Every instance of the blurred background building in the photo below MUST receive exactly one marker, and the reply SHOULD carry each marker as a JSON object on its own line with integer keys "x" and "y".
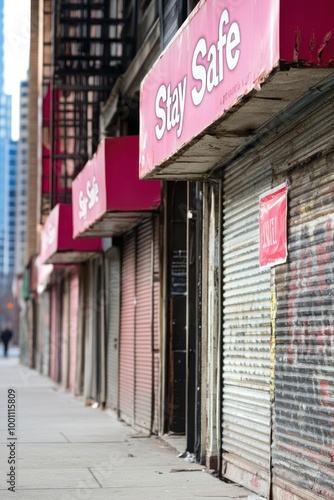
{"x": 8, "y": 195}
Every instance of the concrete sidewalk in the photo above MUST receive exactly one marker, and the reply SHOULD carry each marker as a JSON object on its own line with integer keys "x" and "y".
{"x": 67, "y": 451}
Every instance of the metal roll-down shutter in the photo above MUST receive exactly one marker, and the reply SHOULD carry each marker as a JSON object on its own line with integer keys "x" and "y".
{"x": 74, "y": 324}
{"x": 127, "y": 338}
{"x": 144, "y": 326}
{"x": 113, "y": 322}
{"x": 246, "y": 417}
{"x": 303, "y": 451}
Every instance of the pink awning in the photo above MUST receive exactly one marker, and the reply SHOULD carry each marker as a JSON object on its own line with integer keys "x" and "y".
{"x": 107, "y": 196}
{"x": 57, "y": 243}
{"x": 193, "y": 110}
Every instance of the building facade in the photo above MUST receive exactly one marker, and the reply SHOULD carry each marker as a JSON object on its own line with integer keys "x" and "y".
{"x": 21, "y": 190}
{"x": 11, "y": 202}
{"x": 8, "y": 174}
{"x": 195, "y": 301}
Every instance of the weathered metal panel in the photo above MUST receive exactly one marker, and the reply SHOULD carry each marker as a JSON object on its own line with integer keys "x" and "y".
{"x": 113, "y": 318}
{"x": 74, "y": 326}
{"x": 156, "y": 324}
{"x": 54, "y": 346}
{"x": 127, "y": 331}
{"x": 82, "y": 323}
{"x": 144, "y": 326}
{"x": 46, "y": 332}
{"x": 90, "y": 377}
{"x": 65, "y": 334}
{"x": 246, "y": 329}
{"x": 303, "y": 452}
{"x": 43, "y": 330}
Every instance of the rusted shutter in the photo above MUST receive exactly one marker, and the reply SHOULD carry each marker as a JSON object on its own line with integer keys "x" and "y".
{"x": 74, "y": 319}
{"x": 127, "y": 338}
{"x": 303, "y": 452}
{"x": 65, "y": 333}
{"x": 54, "y": 335}
{"x": 246, "y": 433}
{"x": 144, "y": 326}
{"x": 113, "y": 321}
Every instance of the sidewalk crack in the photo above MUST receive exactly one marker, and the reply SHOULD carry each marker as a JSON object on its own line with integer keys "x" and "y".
{"x": 92, "y": 473}
{"x": 65, "y": 437}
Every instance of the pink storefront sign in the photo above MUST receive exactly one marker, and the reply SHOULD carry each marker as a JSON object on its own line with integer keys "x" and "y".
{"x": 57, "y": 243}
{"x": 224, "y": 50}
{"x": 108, "y": 197}
{"x": 273, "y": 249}
{"x": 89, "y": 197}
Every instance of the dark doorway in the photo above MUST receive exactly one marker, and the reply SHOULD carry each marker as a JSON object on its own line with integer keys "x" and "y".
{"x": 176, "y": 315}
{"x": 183, "y": 282}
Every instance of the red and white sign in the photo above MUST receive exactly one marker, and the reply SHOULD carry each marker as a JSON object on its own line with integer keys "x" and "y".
{"x": 222, "y": 52}
{"x": 273, "y": 248}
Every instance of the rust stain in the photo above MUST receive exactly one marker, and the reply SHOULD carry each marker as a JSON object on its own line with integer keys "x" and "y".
{"x": 324, "y": 44}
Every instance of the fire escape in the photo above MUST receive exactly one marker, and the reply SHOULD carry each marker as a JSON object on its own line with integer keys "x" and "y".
{"x": 91, "y": 43}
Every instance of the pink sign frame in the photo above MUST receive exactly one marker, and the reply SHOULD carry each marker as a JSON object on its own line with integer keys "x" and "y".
{"x": 224, "y": 50}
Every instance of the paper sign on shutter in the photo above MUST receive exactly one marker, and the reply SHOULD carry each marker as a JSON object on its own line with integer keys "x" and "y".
{"x": 273, "y": 227}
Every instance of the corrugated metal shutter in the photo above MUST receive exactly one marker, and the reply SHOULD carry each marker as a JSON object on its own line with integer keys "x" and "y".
{"x": 127, "y": 358}
{"x": 46, "y": 331}
{"x": 113, "y": 318}
{"x": 74, "y": 322}
{"x": 156, "y": 317}
{"x": 144, "y": 333}
{"x": 246, "y": 433}
{"x": 38, "y": 349}
{"x": 303, "y": 452}
{"x": 82, "y": 325}
{"x": 65, "y": 333}
{"x": 54, "y": 335}
{"x": 100, "y": 307}
{"x": 91, "y": 344}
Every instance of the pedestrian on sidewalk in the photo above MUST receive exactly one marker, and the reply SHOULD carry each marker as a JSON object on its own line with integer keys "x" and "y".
{"x": 6, "y": 335}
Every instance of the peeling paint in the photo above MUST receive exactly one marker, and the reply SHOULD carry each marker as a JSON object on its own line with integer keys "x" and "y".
{"x": 296, "y": 46}
{"x": 313, "y": 45}
{"x": 324, "y": 44}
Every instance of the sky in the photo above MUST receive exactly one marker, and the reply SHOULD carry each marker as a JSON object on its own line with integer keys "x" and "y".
{"x": 16, "y": 52}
